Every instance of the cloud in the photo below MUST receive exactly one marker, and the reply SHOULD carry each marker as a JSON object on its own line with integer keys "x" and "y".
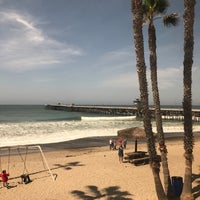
{"x": 125, "y": 80}
{"x": 116, "y": 69}
{"x": 25, "y": 46}
{"x": 170, "y": 78}
{"x": 115, "y": 61}
{"x": 122, "y": 63}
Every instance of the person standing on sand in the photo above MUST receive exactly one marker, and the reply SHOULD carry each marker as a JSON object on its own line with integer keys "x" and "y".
{"x": 120, "y": 141}
{"x": 124, "y": 142}
{"x": 4, "y": 177}
{"x": 114, "y": 145}
{"x": 111, "y": 143}
{"x": 121, "y": 153}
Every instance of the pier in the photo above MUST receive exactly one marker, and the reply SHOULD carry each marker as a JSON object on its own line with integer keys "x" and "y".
{"x": 167, "y": 113}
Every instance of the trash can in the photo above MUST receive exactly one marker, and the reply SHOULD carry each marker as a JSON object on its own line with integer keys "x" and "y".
{"x": 177, "y": 185}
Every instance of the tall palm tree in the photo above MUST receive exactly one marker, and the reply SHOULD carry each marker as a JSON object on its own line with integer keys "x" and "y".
{"x": 154, "y": 9}
{"x": 137, "y": 11}
{"x": 189, "y": 6}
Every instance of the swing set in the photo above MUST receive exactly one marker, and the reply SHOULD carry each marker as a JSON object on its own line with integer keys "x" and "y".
{"x": 22, "y": 151}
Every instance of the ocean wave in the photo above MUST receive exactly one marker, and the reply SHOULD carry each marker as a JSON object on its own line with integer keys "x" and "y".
{"x": 58, "y": 131}
{"x": 76, "y": 118}
{"x": 120, "y": 118}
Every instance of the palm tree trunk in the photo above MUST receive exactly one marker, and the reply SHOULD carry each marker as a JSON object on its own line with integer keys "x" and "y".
{"x": 189, "y": 6}
{"x": 141, "y": 69}
{"x": 158, "y": 115}
{"x": 187, "y": 186}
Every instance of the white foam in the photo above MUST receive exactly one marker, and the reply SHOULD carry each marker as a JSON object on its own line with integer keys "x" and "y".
{"x": 58, "y": 131}
{"x": 108, "y": 118}
{"x": 56, "y": 136}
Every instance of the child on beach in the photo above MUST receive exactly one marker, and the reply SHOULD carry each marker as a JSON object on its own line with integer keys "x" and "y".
{"x": 4, "y": 177}
{"x": 121, "y": 153}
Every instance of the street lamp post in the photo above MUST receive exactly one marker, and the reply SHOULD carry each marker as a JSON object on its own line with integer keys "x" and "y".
{"x": 137, "y": 102}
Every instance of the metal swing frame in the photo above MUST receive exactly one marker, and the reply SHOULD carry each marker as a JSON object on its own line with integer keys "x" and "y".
{"x": 24, "y": 159}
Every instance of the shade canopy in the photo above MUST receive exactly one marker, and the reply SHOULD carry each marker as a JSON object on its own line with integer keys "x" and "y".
{"x": 132, "y": 133}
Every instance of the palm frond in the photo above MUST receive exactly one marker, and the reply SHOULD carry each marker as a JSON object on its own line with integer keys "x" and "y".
{"x": 155, "y": 6}
{"x": 161, "y": 6}
{"x": 171, "y": 19}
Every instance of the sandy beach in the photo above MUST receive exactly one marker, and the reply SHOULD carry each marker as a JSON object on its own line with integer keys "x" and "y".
{"x": 87, "y": 169}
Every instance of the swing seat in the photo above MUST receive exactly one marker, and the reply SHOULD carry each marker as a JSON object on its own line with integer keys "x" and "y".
{"x": 25, "y": 178}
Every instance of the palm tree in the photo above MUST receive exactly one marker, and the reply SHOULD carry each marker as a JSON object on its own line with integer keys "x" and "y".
{"x": 154, "y": 9}
{"x": 137, "y": 11}
{"x": 189, "y": 6}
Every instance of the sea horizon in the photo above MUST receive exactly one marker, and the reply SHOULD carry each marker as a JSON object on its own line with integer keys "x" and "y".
{"x": 194, "y": 106}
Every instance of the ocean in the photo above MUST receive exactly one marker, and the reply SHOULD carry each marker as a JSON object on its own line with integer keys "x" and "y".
{"x": 33, "y": 124}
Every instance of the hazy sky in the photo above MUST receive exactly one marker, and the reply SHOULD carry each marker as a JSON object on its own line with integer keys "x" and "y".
{"x": 82, "y": 52}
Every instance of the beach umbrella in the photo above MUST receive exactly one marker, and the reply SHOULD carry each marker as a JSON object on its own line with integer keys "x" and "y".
{"x": 133, "y": 133}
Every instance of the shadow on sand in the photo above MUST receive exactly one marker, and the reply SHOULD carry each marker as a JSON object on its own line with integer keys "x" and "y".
{"x": 68, "y": 166}
{"x": 196, "y": 189}
{"x": 111, "y": 193}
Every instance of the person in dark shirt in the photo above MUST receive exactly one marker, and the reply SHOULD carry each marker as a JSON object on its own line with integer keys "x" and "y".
{"x": 121, "y": 153}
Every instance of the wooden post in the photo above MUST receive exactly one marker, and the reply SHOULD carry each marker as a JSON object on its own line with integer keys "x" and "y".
{"x": 135, "y": 145}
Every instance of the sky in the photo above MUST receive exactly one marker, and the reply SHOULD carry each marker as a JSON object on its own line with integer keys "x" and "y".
{"x": 82, "y": 52}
